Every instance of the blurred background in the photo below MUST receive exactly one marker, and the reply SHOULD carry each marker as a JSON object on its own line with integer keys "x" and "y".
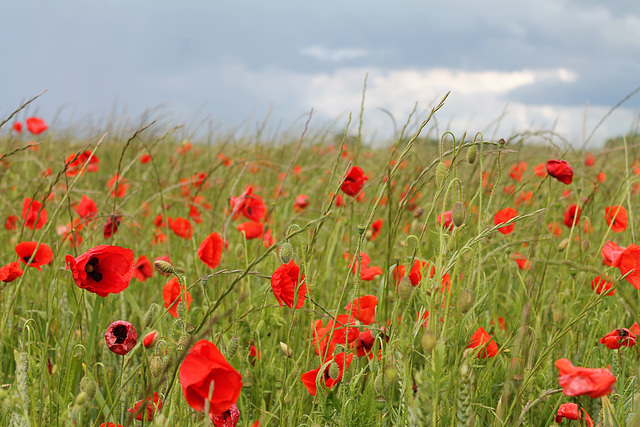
{"x": 510, "y": 66}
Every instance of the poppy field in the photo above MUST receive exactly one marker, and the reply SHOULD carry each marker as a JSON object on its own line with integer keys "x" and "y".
{"x": 308, "y": 278}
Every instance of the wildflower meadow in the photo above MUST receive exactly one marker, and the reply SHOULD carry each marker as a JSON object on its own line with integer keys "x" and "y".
{"x": 152, "y": 277}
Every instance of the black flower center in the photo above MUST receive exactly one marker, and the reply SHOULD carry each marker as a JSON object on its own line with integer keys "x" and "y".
{"x": 26, "y": 259}
{"x": 120, "y": 332}
{"x": 92, "y": 269}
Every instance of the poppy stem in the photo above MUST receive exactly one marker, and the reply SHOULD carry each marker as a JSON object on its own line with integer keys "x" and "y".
{"x": 98, "y": 302}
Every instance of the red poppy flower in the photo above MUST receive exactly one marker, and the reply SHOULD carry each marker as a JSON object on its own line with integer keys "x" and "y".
{"x": 589, "y": 159}
{"x": 152, "y": 407}
{"x": 11, "y": 222}
{"x": 353, "y": 181}
{"x": 571, "y": 215}
{"x": 554, "y": 228}
{"x": 325, "y": 342}
{"x": 205, "y": 375}
{"x": 149, "y": 339}
{"x": 617, "y": 338}
{"x": 121, "y": 337}
{"x": 375, "y": 228}
{"x": 522, "y": 261}
{"x": 27, "y": 252}
{"x": 284, "y": 283}
{"x": 267, "y": 239}
{"x": 363, "y": 308}
{"x": 33, "y": 213}
{"x": 118, "y": 185}
{"x": 540, "y": 170}
{"x": 611, "y": 254}
{"x": 301, "y": 203}
{"x": 10, "y": 272}
{"x": 517, "y": 170}
{"x": 601, "y": 177}
{"x": 577, "y": 381}
{"x": 145, "y": 158}
{"x": 17, "y": 127}
{"x": 616, "y": 217}
{"x": 110, "y": 425}
{"x": 366, "y": 273}
{"x": 483, "y": 341}
{"x": 524, "y": 198}
{"x": 503, "y": 216}
{"x": 210, "y": 250}
{"x": 570, "y": 412}
{"x": 194, "y": 214}
{"x": 103, "y": 270}
{"x": 560, "y": 170}
{"x": 144, "y": 269}
{"x": 181, "y": 226}
{"x": 75, "y": 162}
{"x": 629, "y": 264}
{"x": 309, "y": 378}
{"x": 601, "y": 286}
{"x": 228, "y": 418}
{"x": 251, "y": 229}
{"x": 36, "y": 125}
{"x": 414, "y": 276}
{"x": 172, "y": 296}
{"x": 86, "y": 208}
{"x": 111, "y": 226}
{"x": 248, "y": 204}
{"x": 158, "y": 221}
{"x": 364, "y": 344}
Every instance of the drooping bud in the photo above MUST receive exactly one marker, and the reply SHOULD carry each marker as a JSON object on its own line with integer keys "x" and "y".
{"x": 286, "y": 349}
{"x": 88, "y": 386}
{"x": 377, "y": 383}
{"x": 563, "y": 245}
{"x": 466, "y": 300}
{"x": 232, "y": 347}
{"x": 472, "y": 154}
{"x": 286, "y": 252}
{"x": 441, "y": 172}
{"x": 81, "y": 399}
{"x": 405, "y": 288}
{"x": 458, "y": 214}
{"x": 150, "y": 315}
{"x": 239, "y": 251}
{"x": 428, "y": 341}
{"x": 391, "y": 375}
{"x": 182, "y": 342}
{"x": 156, "y": 366}
{"x": 163, "y": 266}
{"x": 586, "y": 245}
{"x": 418, "y": 213}
{"x": 334, "y": 371}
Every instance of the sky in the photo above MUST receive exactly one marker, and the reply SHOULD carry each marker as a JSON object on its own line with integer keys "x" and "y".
{"x": 511, "y": 66}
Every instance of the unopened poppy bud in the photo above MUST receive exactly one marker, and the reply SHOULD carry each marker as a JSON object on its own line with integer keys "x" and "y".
{"x": 563, "y": 245}
{"x": 586, "y": 245}
{"x": 472, "y": 154}
{"x": 458, "y": 214}
{"x": 286, "y": 349}
{"x": 286, "y": 252}
{"x": 88, "y": 386}
{"x": 181, "y": 309}
{"x": 369, "y": 234}
{"x": 381, "y": 402}
{"x": 156, "y": 366}
{"x": 150, "y": 315}
{"x": 239, "y": 251}
{"x": 334, "y": 371}
{"x": 441, "y": 172}
{"x": 163, "y": 266}
{"x": 182, "y": 342}
{"x": 377, "y": 384}
{"x": 232, "y": 347}
{"x": 418, "y": 213}
{"x": 391, "y": 375}
{"x": 428, "y": 341}
{"x": 405, "y": 288}
{"x": 81, "y": 399}
{"x": 466, "y": 300}
{"x": 150, "y": 339}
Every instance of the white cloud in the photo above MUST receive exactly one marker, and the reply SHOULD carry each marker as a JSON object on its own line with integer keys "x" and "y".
{"x": 333, "y": 55}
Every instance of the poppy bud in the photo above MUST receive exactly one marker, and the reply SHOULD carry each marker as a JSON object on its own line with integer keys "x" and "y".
{"x": 334, "y": 371}
{"x": 458, "y": 214}
{"x": 156, "y": 366}
{"x": 428, "y": 341}
{"x": 88, "y": 386}
{"x": 182, "y": 342}
{"x": 377, "y": 384}
{"x": 391, "y": 375}
{"x": 150, "y": 315}
{"x": 81, "y": 399}
{"x": 441, "y": 172}
{"x": 381, "y": 402}
{"x": 163, "y": 266}
{"x": 286, "y": 252}
{"x": 286, "y": 349}
{"x": 472, "y": 154}
{"x": 181, "y": 309}
{"x": 239, "y": 251}
{"x": 418, "y": 213}
{"x": 563, "y": 245}
{"x": 586, "y": 245}
{"x": 150, "y": 339}
{"x": 466, "y": 299}
{"x": 405, "y": 288}
{"x": 232, "y": 347}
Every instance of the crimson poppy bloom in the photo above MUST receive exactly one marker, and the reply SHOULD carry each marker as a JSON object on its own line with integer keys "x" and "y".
{"x": 205, "y": 375}
{"x": 540, "y": 170}
{"x": 554, "y": 228}
{"x": 145, "y": 158}
{"x": 616, "y": 218}
{"x": 309, "y": 378}
{"x": 560, "y": 170}
{"x": 570, "y": 412}
{"x": 36, "y": 125}
{"x": 522, "y": 261}
{"x": 210, "y": 250}
{"x": 325, "y": 341}
{"x": 486, "y": 346}
{"x": 363, "y": 308}
{"x": 366, "y": 273}
{"x": 353, "y": 181}
{"x": 172, "y": 296}
{"x": 144, "y": 269}
{"x": 110, "y": 425}
{"x": 103, "y": 269}
{"x": 228, "y": 418}
{"x": 267, "y": 239}
{"x": 33, "y": 213}
{"x": 414, "y": 276}
{"x": 17, "y": 127}
{"x": 375, "y": 228}
{"x": 617, "y": 338}
{"x": 10, "y": 272}
{"x": 194, "y": 214}
{"x": 152, "y": 406}
{"x": 251, "y": 229}
{"x": 601, "y": 285}
{"x": 27, "y": 252}
{"x": 75, "y": 162}
{"x": 524, "y": 198}
{"x": 629, "y": 264}
{"x": 250, "y": 205}
{"x": 571, "y": 215}
{"x": 118, "y": 185}
{"x": 611, "y": 254}
{"x": 86, "y": 208}
{"x": 181, "y": 226}
{"x": 284, "y": 283}
{"x": 517, "y": 170}
{"x": 301, "y": 203}
{"x": 121, "y": 337}
{"x": 111, "y": 226}
{"x": 149, "y": 339}
{"x": 589, "y": 159}
{"x": 503, "y": 216}
{"x": 576, "y": 381}
{"x": 10, "y": 223}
